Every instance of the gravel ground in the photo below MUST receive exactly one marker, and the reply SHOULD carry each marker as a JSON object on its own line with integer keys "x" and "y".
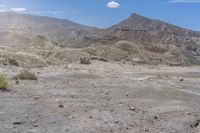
{"x": 102, "y": 98}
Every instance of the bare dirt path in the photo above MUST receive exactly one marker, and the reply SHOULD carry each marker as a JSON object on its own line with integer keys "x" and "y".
{"x": 103, "y": 98}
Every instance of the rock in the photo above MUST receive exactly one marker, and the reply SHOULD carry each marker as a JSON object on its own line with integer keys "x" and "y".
{"x": 195, "y": 124}
{"x": 85, "y": 60}
{"x": 181, "y": 79}
{"x": 35, "y": 125}
{"x": 36, "y": 97}
{"x": 72, "y": 96}
{"x": 116, "y": 121}
{"x": 61, "y": 106}
{"x": 18, "y": 123}
{"x": 156, "y": 117}
{"x": 17, "y": 81}
{"x": 188, "y": 113}
{"x": 132, "y": 108}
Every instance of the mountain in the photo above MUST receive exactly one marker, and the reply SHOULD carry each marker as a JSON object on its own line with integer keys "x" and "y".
{"x": 20, "y": 30}
{"x": 137, "y": 39}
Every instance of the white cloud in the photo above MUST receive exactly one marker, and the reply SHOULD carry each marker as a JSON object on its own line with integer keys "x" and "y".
{"x": 184, "y": 1}
{"x": 2, "y": 10}
{"x": 113, "y": 4}
{"x": 18, "y": 9}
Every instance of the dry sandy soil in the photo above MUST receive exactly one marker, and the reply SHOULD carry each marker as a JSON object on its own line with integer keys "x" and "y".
{"x": 103, "y": 97}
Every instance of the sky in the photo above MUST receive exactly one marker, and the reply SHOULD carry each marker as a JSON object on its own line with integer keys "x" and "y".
{"x": 105, "y": 13}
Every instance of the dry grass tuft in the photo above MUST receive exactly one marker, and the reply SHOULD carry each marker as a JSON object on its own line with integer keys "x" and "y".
{"x": 3, "y": 82}
{"x": 25, "y": 75}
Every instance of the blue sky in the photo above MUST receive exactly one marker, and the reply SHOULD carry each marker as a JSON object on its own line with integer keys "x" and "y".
{"x": 104, "y": 13}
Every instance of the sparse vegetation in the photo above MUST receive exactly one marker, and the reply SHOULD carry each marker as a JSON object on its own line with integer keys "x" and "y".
{"x": 3, "y": 82}
{"x": 13, "y": 62}
{"x": 85, "y": 60}
{"x": 25, "y": 75}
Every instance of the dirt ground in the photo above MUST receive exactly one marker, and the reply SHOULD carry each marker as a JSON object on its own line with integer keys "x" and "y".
{"x": 103, "y": 97}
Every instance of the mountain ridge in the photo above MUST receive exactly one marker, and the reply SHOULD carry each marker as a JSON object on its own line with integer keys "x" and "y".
{"x": 137, "y": 37}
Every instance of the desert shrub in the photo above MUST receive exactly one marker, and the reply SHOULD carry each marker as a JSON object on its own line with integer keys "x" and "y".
{"x": 85, "y": 60}
{"x": 25, "y": 75}
{"x": 3, "y": 82}
{"x": 123, "y": 45}
{"x": 13, "y": 62}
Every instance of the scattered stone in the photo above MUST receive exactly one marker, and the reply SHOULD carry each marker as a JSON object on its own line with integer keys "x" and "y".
{"x": 116, "y": 121}
{"x": 188, "y": 113}
{"x": 18, "y": 123}
{"x": 17, "y": 81}
{"x": 195, "y": 124}
{"x": 61, "y": 106}
{"x": 26, "y": 116}
{"x": 156, "y": 117}
{"x": 85, "y": 60}
{"x": 90, "y": 117}
{"x": 36, "y": 97}
{"x": 132, "y": 108}
{"x": 181, "y": 79}
{"x": 35, "y": 125}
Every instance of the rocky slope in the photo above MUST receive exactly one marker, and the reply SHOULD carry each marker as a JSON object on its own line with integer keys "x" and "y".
{"x": 137, "y": 39}
{"x": 21, "y": 30}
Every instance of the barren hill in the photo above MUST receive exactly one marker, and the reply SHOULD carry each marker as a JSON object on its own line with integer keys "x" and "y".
{"x": 22, "y": 30}
{"x": 137, "y": 39}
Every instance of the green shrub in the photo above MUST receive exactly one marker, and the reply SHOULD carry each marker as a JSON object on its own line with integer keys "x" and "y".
{"x": 3, "y": 82}
{"x": 25, "y": 75}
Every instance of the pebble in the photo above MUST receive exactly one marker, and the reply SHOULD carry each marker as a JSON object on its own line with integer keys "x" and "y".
{"x": 116, "y": 121}
{"x": 188, "y": 113}
{"x": 61, "y": 105}
{"x": 35, "y": 125}
{"x": 17, "y": 81}
{"x": 132, "y": 108}
{"x": 18, "y": 123}
{"x": 195, "y": 124}
{"x": 181, "y": 79}
{"x": 156, "y": 117}
{"x": 36, "y": 97}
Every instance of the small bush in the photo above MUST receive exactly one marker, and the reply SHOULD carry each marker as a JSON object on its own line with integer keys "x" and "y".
{"x": 13, "y": 62}
{"x": 85, "y": 60}
{"x": 3, "y": 82}
{"x": 25, "y": 75}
